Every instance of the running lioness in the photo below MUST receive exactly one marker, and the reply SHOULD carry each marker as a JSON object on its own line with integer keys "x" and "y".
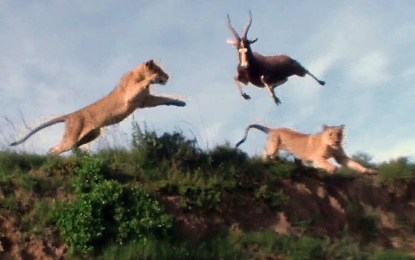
{"x": 316, "y": 148}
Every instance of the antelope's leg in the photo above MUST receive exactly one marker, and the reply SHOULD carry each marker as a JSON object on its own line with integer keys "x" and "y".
{"x": 279, "y": 83}
{"x": 271, "y": 89}
{"x": 238, "y": 84}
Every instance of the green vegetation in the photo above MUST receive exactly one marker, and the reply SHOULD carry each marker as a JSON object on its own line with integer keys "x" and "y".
{"x": 107, "y": 211}
{"x": 397, "y": 170}
{"x": 112, "y": 205}
{"x": 250, "y": 245}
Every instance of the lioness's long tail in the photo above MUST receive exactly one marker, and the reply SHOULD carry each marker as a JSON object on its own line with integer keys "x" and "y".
{"x": 256, "y": 126}
{"x": 44, "y": 125}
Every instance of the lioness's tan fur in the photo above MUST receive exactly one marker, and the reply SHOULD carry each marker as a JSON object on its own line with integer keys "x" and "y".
{"x": 133, "y": 92}
{"x": 316, "y": 148}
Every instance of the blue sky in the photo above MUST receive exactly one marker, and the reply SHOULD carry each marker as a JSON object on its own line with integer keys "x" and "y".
{"x": 58, "y": 56}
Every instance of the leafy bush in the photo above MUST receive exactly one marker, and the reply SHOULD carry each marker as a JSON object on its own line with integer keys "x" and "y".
{"x": 388, "y": 255}
{"x": 10, "y": 162}
{"x": 248, "y": 245}
{"x": 105, "y": 210}
{"x": 174, "y": 148}
{"x": 397, "y": 170}
{"x": 226, "y": 155}
{"x": 90, "y": 173}
{"x": 344, "y": 248}
{"x": 362, "y": 222}
{"x": 274, "y": 198}
{"x": 199, "y": 189}
{"x": 283, "y": 169}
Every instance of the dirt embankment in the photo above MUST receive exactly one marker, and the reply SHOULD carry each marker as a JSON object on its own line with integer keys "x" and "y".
{"x": 370, "y": 211}
{"x": 362, "y": 207}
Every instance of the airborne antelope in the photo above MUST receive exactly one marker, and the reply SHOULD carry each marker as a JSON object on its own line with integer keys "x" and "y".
{"x": 262, "y": 71}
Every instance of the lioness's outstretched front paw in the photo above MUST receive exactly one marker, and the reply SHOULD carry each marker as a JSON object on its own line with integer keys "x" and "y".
{"x": 177, "y": 103}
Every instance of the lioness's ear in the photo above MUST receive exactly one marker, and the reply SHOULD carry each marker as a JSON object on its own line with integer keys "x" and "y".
{"x": 324, "y": 126}
{"x": 150, "y": 63}
{"x": 341, "y": 127}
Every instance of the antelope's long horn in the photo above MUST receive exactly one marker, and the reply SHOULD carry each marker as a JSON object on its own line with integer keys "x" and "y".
{"x": 248, "y": 24}
{"x": 235, "y": 34}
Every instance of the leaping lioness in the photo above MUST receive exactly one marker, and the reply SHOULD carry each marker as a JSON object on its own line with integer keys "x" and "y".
{"x": 132, "y": 92}
{"x": 315, "y": 148}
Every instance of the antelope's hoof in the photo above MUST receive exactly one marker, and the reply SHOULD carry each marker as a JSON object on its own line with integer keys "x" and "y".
{"x": 246, "y": 96}
{"x": 277, "y": 101}
{"x": 322, "y": 82}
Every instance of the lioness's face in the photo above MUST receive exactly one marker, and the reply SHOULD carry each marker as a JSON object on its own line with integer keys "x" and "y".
{"x": 160, "y": 77}
{"x": 333, "y": 136}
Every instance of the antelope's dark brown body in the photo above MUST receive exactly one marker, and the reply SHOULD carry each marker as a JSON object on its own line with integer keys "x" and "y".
{"x": 272, "y": 68}
{"x": 263, "y": 71}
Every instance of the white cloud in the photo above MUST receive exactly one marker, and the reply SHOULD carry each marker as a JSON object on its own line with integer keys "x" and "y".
{"x": 371, "y": 69}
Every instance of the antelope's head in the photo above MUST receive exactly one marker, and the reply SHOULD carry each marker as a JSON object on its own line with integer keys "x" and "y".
{"x": 242, "y": 44}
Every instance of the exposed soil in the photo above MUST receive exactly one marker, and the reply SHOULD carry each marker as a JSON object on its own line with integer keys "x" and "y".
{"x": 317, "y": 207}
{"x": 321, "y": 207}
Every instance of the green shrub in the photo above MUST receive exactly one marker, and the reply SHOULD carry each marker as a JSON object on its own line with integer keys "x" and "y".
{"x": 283, "y": 169}
{"x": 154, "y": 150}
{"x": 274, "y": 198}
{"x": 105, "y": 211}
{"x": 140, "y": 216}
{"x": 90, "y": 173}
{"x": 86, "y": 221}
{"x": 248, "y": 245}
{"x": 226, "y": 155}
{"x": 201, "y": 190}
{"x": 38, "y": 218}
{"x": 344, "y": 248}
{"x": 397, "y": 170}
{"x": 11, "y": 161}
{"x": 11, "y": 203}
{"x": 392, "y": 255}
{"x": 362, "y": 222}
{"x": 53, "y": 165}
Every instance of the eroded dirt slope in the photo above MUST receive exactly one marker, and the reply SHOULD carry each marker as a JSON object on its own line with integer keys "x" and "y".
{"x": 317, "y": 206}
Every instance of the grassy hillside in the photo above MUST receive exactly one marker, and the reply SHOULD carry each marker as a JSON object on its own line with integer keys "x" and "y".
{"x": 165, "y": 198}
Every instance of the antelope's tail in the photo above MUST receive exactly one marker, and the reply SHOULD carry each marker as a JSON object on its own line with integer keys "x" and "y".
{"x": 256, "y": 126}
{"x": 44, "y": 125}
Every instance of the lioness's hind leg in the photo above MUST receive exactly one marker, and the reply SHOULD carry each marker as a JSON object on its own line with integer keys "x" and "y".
{"x": 89, "y": 137}
{"x": 64, "y": 146}
{"x": 273, "y": 145}
{"x": 73, "y": 130}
